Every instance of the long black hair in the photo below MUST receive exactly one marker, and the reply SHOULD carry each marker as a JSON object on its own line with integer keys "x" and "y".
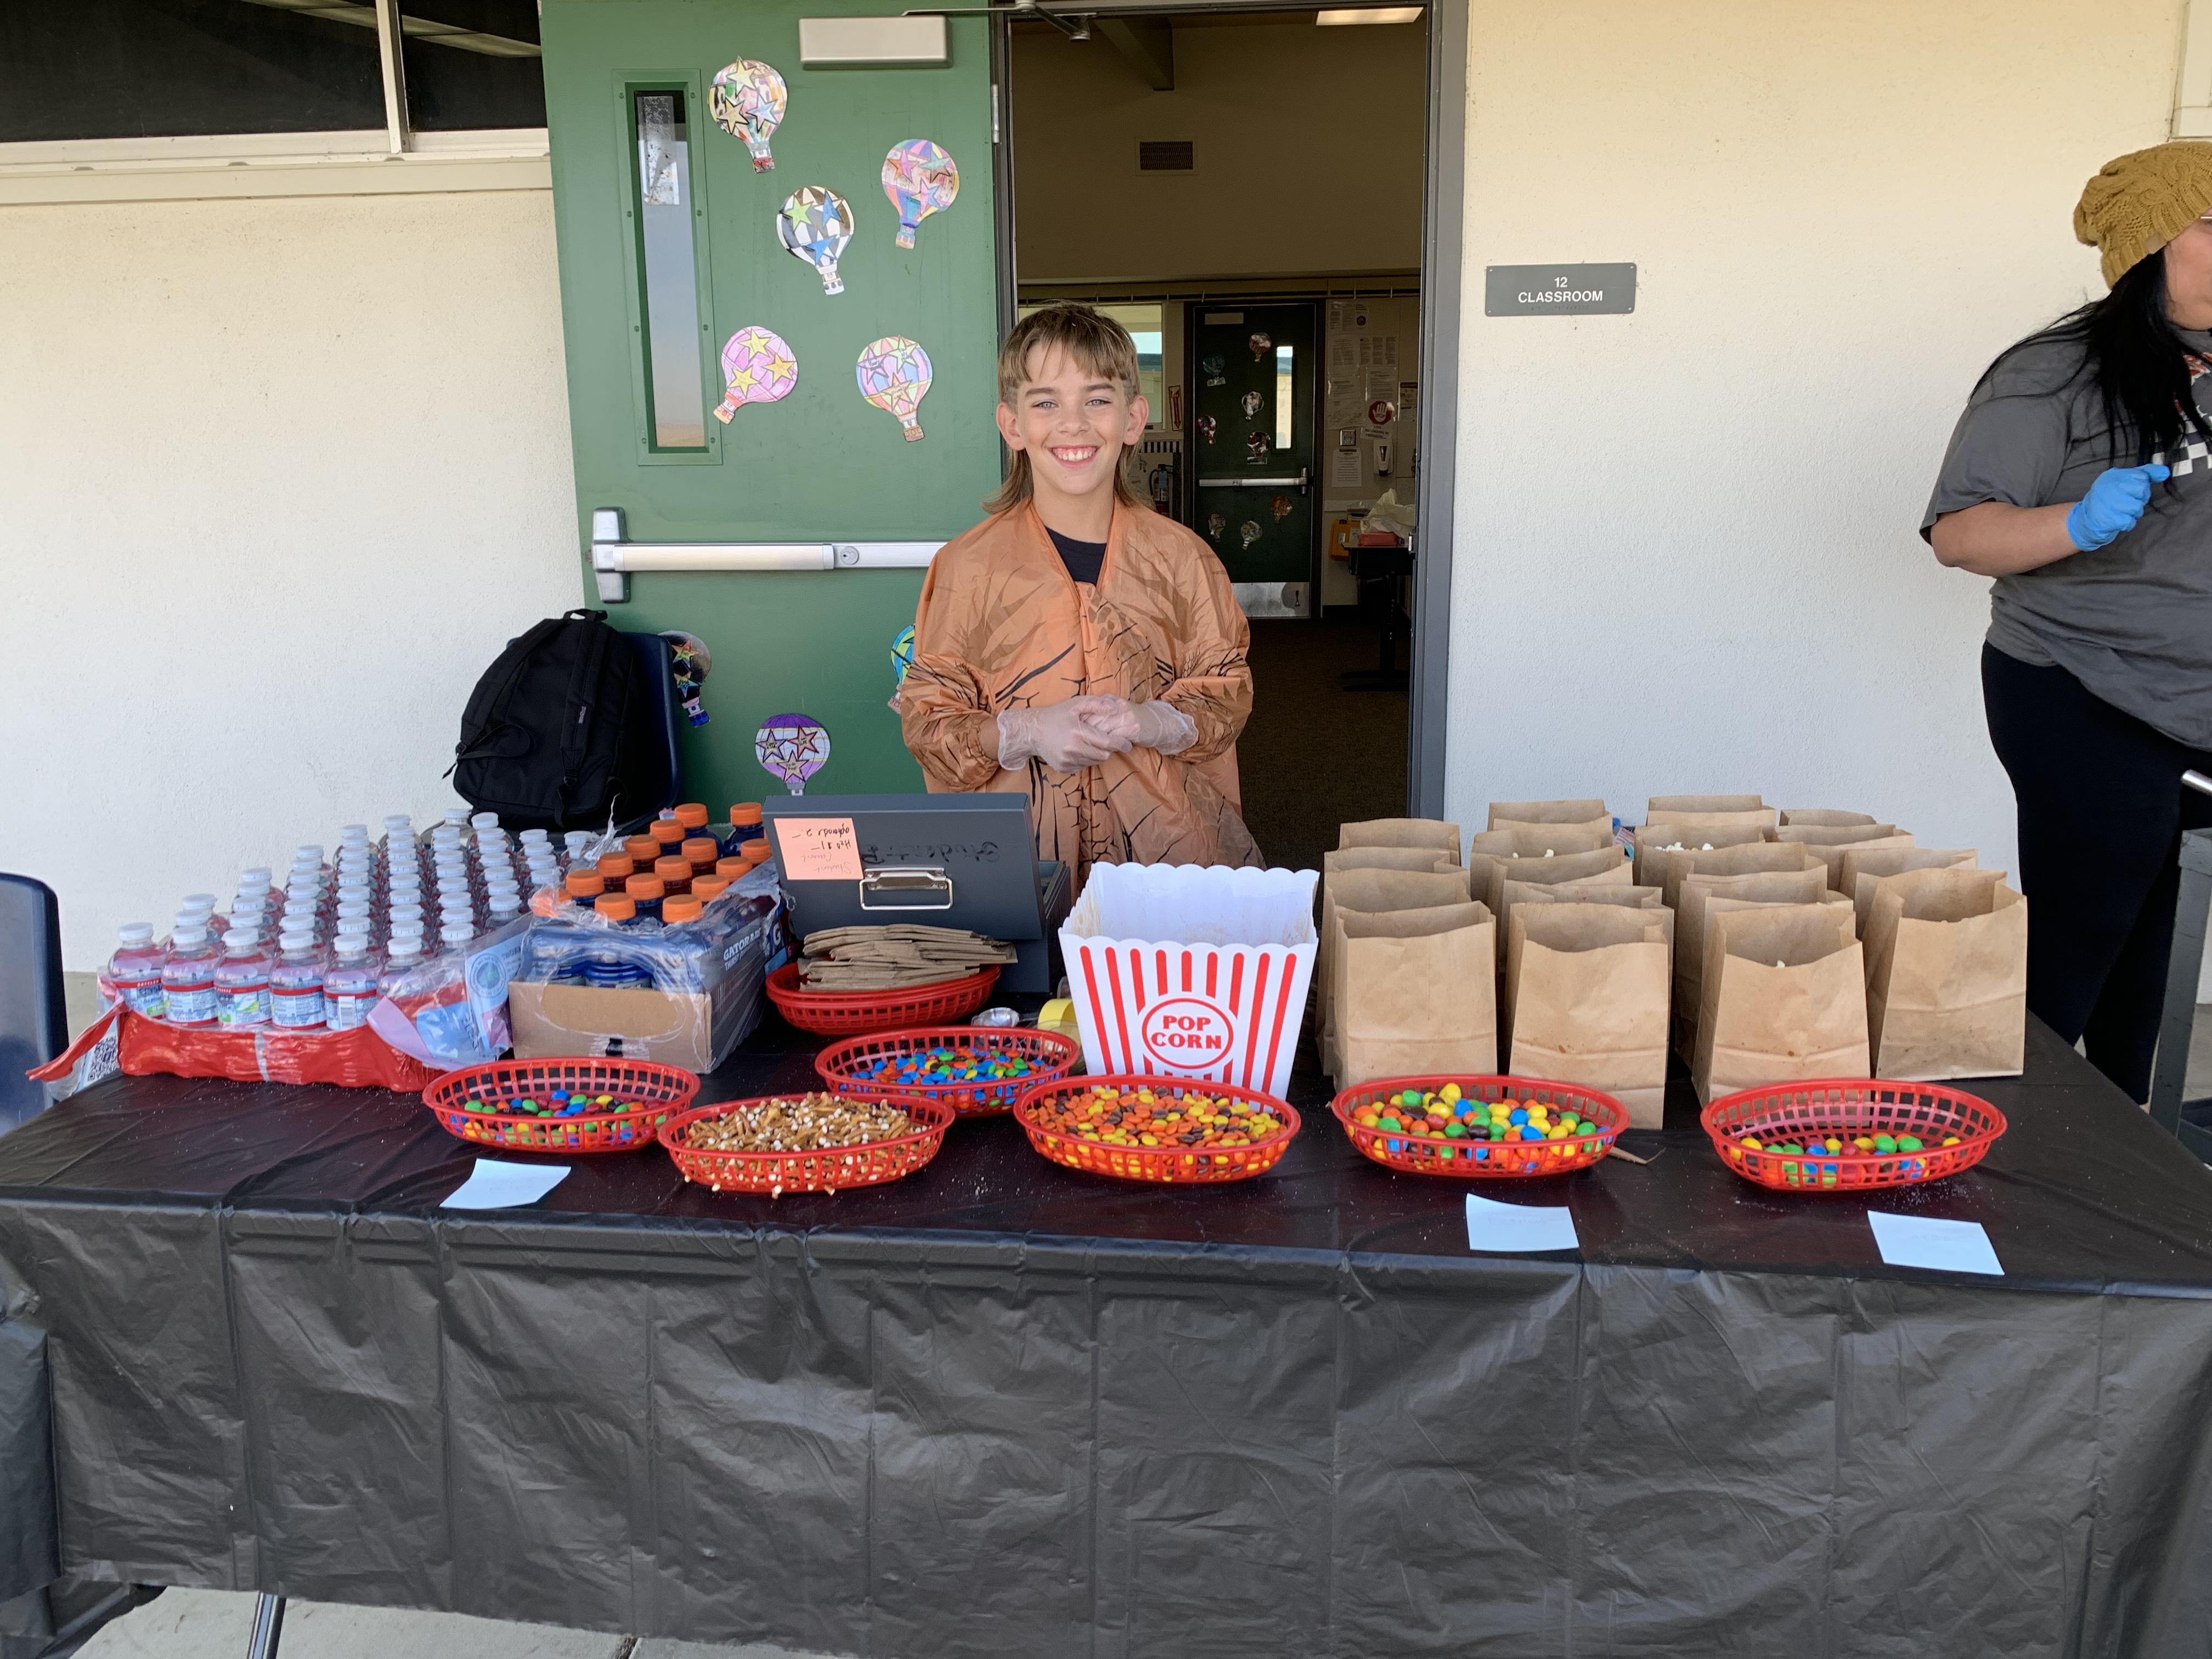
{"x": 2141, "y": 368}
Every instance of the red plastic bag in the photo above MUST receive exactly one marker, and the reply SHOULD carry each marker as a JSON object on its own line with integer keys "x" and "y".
{"x": 358, "y": 1059}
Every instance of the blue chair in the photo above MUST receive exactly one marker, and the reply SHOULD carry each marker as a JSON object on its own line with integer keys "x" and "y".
{"x": 33, "y": 1022}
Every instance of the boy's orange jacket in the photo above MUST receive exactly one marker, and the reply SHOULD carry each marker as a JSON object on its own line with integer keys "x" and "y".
{"x": 1002, "y": 625}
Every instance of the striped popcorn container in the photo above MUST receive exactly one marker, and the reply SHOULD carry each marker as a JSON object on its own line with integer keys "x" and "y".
{"x": 1189, "y": 970}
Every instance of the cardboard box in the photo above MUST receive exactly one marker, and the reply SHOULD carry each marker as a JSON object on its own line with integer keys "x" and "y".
{"x": 677, "y": 1028}
{"x": 1186, "y": 970}
{"x": 696, "y": 1028}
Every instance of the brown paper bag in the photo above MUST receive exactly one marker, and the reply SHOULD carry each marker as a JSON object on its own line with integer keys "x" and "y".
{"x": 1833, "y": 857}
{"x": 1947, "y": 975}
{"x": 1804, "y": 886}
{"x": 1605, "y": 864}
{"x": 1578, "y": 814}
{"x": 1651, "y": 838}
{"x": 1835, "y": 834}
{"x": 1802, "y": 815}
{"x": 1415, "y": 993}
{"x": 1863, "y": 867}
{"x": 1538, "y": 840}
{"x": 1710, "y": 812}
{"x": 1369, "y": 891}
{"x": 1426, "y": 860}
{"x": 1588, "y": 992}
{"x": 1667, "y": 870}
{"x": 1588, "y": 889}
{"x": 1401, "y": 832}
{"x": 1761, "y": 1022}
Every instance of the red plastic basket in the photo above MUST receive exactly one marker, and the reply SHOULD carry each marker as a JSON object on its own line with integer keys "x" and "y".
{"x": 1849, "y": 1108}
{"x": 843, "y": 1066}
{"x": 660, "y": 1092}
{"x": 847, "y": 1013}
{"x": 869, "y": 1164}
{"x": 1440, "y": 1155}
{"x": 1160, "y": 1163}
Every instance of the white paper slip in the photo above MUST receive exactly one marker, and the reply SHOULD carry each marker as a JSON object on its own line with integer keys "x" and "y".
{"x": 1519, "y": 1228}
{"x": 1922, "y": 1241}
{"x": 499, "y": 1185}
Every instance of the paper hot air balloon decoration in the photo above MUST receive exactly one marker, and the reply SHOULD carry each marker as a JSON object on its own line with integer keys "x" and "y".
{"x": 815, "y": 226}
{"x": 1214, "y": 367}
{"x": 903, "y": 653}
{"x": 1208, "y": 428}
{"x": 758, "y": 367}
{"x": 1252, "y": 402}
{"x": 1257, "y": 445}
{"x": 1262, "y": 345}
{"x": 1281, "y": 507}
{"x": 747, "y": 100}
{"x": 1249, "y": 530}
{"x": 1215, "y": 524}
{"x": 920, "y": 180}
{"x": 894, "y": 375}
{"x": 791, "y": 749}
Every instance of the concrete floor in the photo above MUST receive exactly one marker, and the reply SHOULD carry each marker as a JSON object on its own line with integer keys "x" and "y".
{"x": 184, "y": 1623}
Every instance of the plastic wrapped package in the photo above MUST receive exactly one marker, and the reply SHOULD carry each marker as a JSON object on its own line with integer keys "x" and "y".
{"x": 686, "y": 993}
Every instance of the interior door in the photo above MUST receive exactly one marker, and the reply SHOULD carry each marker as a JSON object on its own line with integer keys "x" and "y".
{"x": 1251, "y": 448}
{"x": 668, "y": 229}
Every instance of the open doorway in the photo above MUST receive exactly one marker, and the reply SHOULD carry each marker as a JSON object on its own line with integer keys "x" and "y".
{"x": 1250, "y": 207}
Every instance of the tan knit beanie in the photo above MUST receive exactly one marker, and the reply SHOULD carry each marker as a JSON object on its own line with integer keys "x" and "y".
{"x": 2138, "y": 204}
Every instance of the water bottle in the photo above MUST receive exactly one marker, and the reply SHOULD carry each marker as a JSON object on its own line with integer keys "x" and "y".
{"x": 404, "y": 957}
{"x": 241, "y": 980}
{"x": 188, "y": 977}
{"x": 295, "y": 984}
{"x": 134, "y": 969}
{"x": 197, "y": 910}
{"x": 349, "y": 988}
{"x": 260, "y": 878}
{"x": 573, "y": 846}
{"x": 397, "y": 850}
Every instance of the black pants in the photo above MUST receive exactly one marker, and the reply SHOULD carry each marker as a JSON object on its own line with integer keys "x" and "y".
{"x": 2101, "y": 811}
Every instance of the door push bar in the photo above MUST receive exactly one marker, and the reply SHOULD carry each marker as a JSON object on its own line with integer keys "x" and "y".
{"x": 1242, "y": 483}
{"x": 614, "y": 557}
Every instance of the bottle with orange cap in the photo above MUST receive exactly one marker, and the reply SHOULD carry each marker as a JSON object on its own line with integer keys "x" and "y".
{"x": 668, "y": 836}
{"x": 645, "y": 893}
{"x": 692, "y": 815}
{"x": 744, "y": 825}
{"x": 679, "y": 908}
{"x": 675, "y": 873}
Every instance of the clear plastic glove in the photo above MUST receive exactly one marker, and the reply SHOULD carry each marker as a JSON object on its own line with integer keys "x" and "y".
{"x": 1155, "y": 725}
{"x": 2115, "y": 501}
{"x": 1066, "y": 736}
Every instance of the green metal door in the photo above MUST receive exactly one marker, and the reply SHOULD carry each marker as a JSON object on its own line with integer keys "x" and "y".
{"x": 670, "y": 248}
{"x": 1251, "y": 444}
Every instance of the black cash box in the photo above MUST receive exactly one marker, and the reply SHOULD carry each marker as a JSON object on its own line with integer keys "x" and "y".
{"x": 940, "y": 860}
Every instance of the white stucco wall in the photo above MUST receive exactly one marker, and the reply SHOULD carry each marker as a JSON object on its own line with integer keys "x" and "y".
{"x": 277, "y": 478}
{"x": 1686, "y": 557}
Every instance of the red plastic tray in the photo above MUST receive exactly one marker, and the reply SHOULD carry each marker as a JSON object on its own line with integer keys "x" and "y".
{"x": 660, "y": 1092}
{"x": 847, "y": 1013}
{"x": 1159, "y": 1164}
{"x": 868, "y": 1164}
{"x": 842, "y": 1066}
{"x": 1850, "y": 1107}
{"x": 1483, "y": 1159}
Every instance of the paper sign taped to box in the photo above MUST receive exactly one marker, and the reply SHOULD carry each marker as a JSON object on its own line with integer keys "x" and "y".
{"x": 818, "y": 849}
{"x": 1185, "y": 970}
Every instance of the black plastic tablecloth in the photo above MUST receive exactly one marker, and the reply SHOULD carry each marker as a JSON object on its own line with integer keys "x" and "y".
{"x": 1000, "y": 1407}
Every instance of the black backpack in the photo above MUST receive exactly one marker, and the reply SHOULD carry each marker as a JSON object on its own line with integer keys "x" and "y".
{"x": 560, "y": 730}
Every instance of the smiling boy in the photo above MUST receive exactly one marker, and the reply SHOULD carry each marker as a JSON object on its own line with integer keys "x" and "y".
{"x": 1075, "y": 644}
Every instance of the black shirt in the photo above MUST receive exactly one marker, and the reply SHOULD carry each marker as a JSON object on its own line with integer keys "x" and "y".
{"x": 1083, "y": 559}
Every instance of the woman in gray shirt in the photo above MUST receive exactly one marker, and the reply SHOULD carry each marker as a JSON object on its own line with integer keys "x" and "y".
{"x": 2080, "y": 478}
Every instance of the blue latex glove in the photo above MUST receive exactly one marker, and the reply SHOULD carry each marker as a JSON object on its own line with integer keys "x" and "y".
{"x": 2115, "y": 501}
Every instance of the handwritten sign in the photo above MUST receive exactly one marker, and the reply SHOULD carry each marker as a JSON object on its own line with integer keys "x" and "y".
{"x": 818, "y": 849}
